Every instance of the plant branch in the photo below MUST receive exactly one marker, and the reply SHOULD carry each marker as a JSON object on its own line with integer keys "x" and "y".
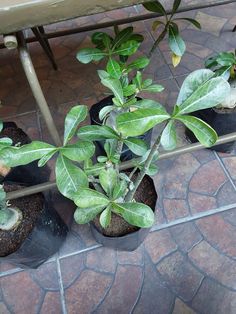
{"x": 147, "y": 164}
{"x": 157, "y": 42}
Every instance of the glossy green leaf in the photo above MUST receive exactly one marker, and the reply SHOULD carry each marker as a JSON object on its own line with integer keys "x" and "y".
{"x": 129, "y": 90}
{"x": 1, "y": 126}
{"x": 16, "y": 156}
{"x": 136, "y": 214}
{"x": 211, "y": 62}
{"x": 87, "y": 55}
{"x": 152, "y": 170}
{"x": 154, "y": 6}
{"x": 140, "y": 121}
{"x": 122, "y": 37}
{"x": 85, "y": 197}
{"x": 224, "y": 72}
{"x": 137, "y": 37}
{"x": 105, "y": 217}
{"x": 79, "y": 151}
{"x": 147, "y": 104}
{"x": 205, "y": 134}
{"x": 176, "y": 43}
{"x": 115, "y": 86}
{"x": 155, "y": 88}
{"x": 192, "y": 21}
{"x": 105, "y": 111}
{"x": 108, "y": 180}
{"x": 85, "y": 215}
{"x": 137, "y": 146}
{"x": 96, "y": 133}
{"x": 76, "y": 115}
{"x": 176, "y": 5}
{"x": 114, "y": 69}
{"x": 69, "y": 177}
{"x": 95, "y": 169}
{"x": 192, "y": 83}
{"x": 207, "y": 95}
{"x": 139, "y": 63}
{"x": 226, "y": 59}
{"x": 168, "y": 136}
{"x": 103, "y": 74}
{"x": 119, "y": 189}
{"x": 5, "y": 141}
{"x": 46, "y": 158}
{"x": 128, "y": 48}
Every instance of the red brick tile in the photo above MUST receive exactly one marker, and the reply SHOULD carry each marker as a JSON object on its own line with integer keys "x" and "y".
{"x": 134, "y": 257}
{"x": 200, "y": 203}
{"x": 51, "y": 303}
{"x": 71, "y": 268}
{"x": 175, "y": 209}
{"x": 102, "y": 259}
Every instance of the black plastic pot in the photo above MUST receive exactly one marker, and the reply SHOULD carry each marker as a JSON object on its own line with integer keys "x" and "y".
{"x": 94, "y": 117}
{"x": 29, "y": 174}
{"x": 130, "y": 241}
{"x": 223, "y": 123}
{"x": 43, "y": 242}
{"x": 48, "y": 231}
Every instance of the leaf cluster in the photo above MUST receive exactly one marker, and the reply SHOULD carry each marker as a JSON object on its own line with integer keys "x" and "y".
{"x": 223, "y": 64}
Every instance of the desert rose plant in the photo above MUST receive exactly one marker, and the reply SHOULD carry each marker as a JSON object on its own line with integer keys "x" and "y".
{"x": 97, "y": 185}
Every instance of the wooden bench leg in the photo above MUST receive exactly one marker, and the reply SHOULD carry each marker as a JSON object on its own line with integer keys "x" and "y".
{"x": 39, "y": 34}
{"x": 36, "y": 88}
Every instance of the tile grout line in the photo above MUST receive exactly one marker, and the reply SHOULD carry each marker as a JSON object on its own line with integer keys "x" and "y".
{"x": 62, "y": 294}
{"x": 88, "y": 249}
{"x": 225, "y": 170}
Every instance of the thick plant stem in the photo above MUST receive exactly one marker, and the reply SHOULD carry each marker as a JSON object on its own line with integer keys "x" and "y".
{"x": 157, "y": 42}
{"x": 147, "y": 164}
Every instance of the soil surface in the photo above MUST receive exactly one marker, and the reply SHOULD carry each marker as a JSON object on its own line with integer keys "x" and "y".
{"x": 118, "y": 227}
{"x": 16, "y": 134}
{"x": 31, "y": 207}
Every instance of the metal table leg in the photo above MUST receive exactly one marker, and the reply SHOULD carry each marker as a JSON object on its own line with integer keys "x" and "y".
{"x": 36, "y": 88}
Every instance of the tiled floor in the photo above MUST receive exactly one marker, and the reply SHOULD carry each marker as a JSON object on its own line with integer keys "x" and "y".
{"x": 186, "y": 269}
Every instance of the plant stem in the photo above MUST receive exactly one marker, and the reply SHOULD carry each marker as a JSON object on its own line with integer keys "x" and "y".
{"x": 132, "y": 173}
{"x": 157, "y": 42}
{"x": 147, "y": 164}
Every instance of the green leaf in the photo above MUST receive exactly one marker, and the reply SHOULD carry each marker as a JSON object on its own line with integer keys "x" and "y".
{"x": 148, "y": 104}
{"x": 85, "y": 197}
{"x": 46, "y": 158}
{"x": 128, "y": 48}
{"x": 96, "y": 133}
{"x": 175, "y": 6}
{"x": 192, "y": 21}
{"x": 192, "y": 83}
{"x": 203, "y": 132}
{"x": 85, "y": 215}
{"x": 103, "y": 74}
{"x": 211, "y": 62}
{"x": 69, "y": 177}
{"x": 87, "y": 55}
{"x": 137, "y": 37}
{"x": 79, "y": 151}
{"x": 115, "y": 86}
{"x": 138, "y": 80}
{"x": 155, "y": 88}
{"x": 139, "y": 63}
{"x": 168, "y": 137}
{"x": 176, "y": 43}
{"x": 23, "y": 155}
{"x": 5, "y": 141}
{"x": 136, "y": 214}
{"x": 155, "y": 6}
{"x": 224, "y": 72}
{"x": 105, "y": 217}
{"x": 207, "y": 95}
{"x": 119, "y": 189}
{"x": 108, "y": 180}
{"x": 105, "y": 111}
{"x": 226, "y": 59}
{"x": 140, "y": 121}
{"x": 1, "y": 126}
{"x": 122, "y": 36}
{"x": 152, "y": 170}
{"x": 114, "y": 69}
{"x": 95, "y": 169}
{"x": 129, "y": 90}
{"x": 137, "y": 146}
{"x": 76, "y": 115}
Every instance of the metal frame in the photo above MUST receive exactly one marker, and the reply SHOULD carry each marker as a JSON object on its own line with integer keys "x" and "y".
{"x": 42, "y": 104}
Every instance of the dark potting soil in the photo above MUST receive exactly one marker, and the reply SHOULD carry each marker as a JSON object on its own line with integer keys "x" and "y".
{"x": 31, "y": 207}
{"x": 118, "y": 227}
{"x": 16, "y": 134}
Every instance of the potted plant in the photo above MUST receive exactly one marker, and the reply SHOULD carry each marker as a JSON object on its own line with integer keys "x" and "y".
{"x": 222, "y": 117}
{"x": 117, "y": 51}
{"x": 105, "y": 195}
{"x": 31, "y": 231}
